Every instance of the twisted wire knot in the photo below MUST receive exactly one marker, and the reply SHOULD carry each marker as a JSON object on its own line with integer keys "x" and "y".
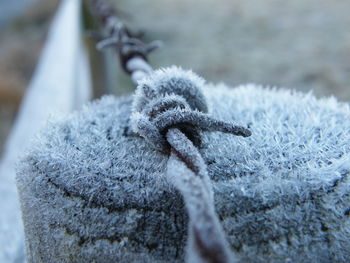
{"x": 170, "y": 111}
{"x": 172, "y": 98}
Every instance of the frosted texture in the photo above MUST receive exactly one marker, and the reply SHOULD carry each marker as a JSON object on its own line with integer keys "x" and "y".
{"x": 93, "y": 191}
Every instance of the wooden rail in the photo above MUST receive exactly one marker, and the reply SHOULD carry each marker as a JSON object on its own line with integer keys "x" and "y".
{"x": 60, "y": 85}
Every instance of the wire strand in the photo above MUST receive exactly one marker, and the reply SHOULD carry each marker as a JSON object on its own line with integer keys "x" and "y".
{"x": 170, "y": 122}
{"x": 133, "y": 52}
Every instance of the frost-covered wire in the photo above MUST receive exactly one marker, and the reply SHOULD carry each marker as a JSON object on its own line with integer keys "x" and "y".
{"x": 133, "y": 52}
{"x": 169, "y": 111}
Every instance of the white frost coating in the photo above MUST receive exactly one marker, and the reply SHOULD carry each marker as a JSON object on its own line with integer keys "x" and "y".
{"x": 60, "y": 84}
{"x": 139, "y": 68}
{"x": 282, "y": 194}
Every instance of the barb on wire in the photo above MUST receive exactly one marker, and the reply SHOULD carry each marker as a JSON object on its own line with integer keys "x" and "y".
{"x": 169, "y": 111}
{"x": 133, "y": 52}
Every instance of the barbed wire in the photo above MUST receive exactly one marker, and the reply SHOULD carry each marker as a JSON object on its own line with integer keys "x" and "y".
{"x": 170, "y": 124}
{"x": 133, "y": 52}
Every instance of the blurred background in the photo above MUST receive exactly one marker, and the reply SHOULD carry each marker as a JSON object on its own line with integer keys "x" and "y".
{"x": 303, "y": 45}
